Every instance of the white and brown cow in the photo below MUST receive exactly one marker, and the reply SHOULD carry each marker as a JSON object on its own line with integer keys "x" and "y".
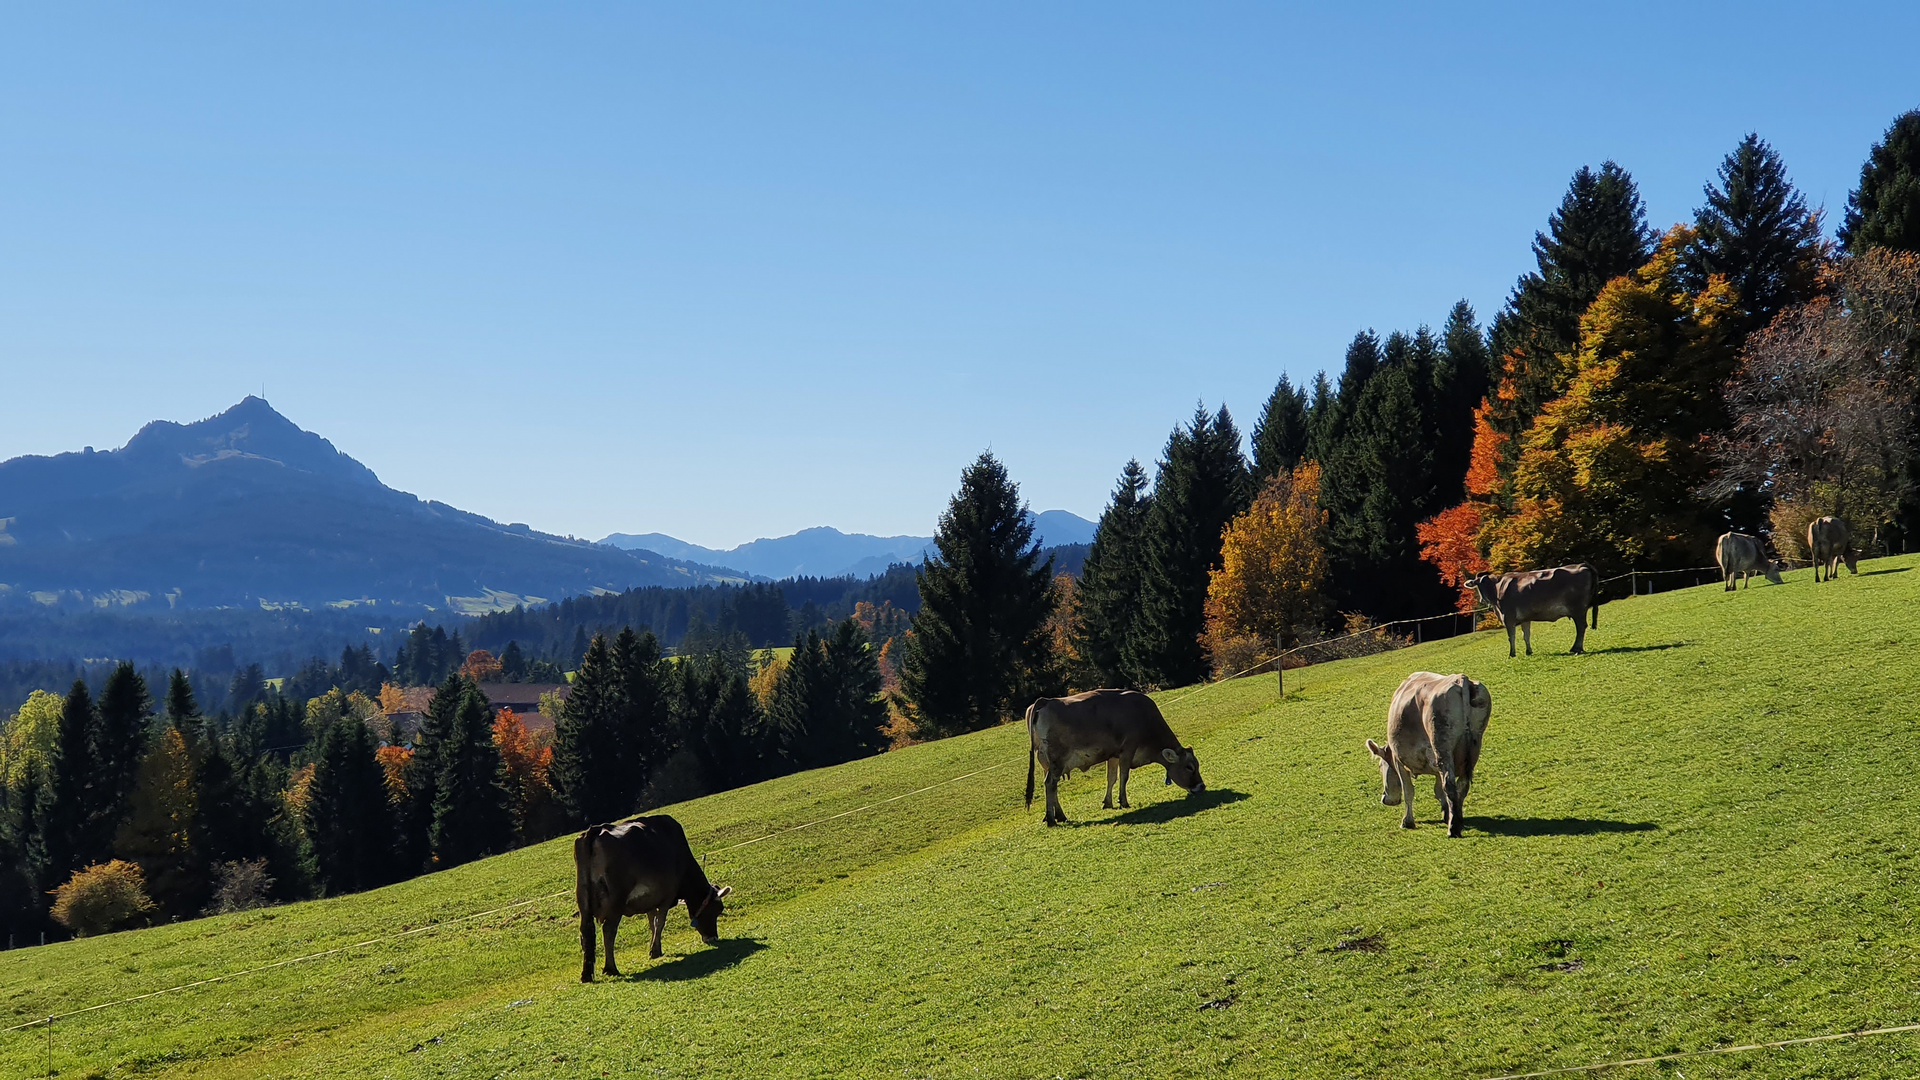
{"x": 635, "y": 867}
{"x": 1831, "y": 543}
{"x": 1123, "y": 728}
{"x": 1740, "y": 556}
{"x": 1434, "y": 728}
{"x": 1526, "y": 597}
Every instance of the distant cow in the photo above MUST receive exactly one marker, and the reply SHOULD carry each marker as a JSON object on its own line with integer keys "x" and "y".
{"x": 1120, "y": 727}
{"x": 1529, "y": 596}
{"x": 1739, "y": 556}
{"x": 639, "y": 866}
{"x": 1434, "y": 728}
{"x": 1831, "y": 542}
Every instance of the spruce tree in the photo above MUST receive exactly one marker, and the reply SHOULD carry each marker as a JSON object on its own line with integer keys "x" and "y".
{"x": 1280, "y": 438}
{"x": 1460, "y": 383}
{"x": 1378, "y": 485}
{"x": 1323, "y": 414}
{"x": 720, "y": 722}
{"x": 70, "y": 839}
{"x": 1107, "y": 612}
{"x": 1884, "y": 211}
{"x": 347, "y": 816}
{"x": 472, "y": 812}
{"x": 826, "y": 705}
{"x": 432, "y": 740}
{"x": 1757, "y": 232}
{"x": 643, "y": 726}
{"x": 126, "y": 713}
{"x": 586, "y": 748}
{"x": 183, "y": 712}
{"x": 1202, "y": 484}
{"x": 980, "y": 650}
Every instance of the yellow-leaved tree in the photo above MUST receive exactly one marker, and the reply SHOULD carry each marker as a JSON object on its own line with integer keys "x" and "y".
{"x": 1607, "y": 472}
{"x": 1267, "y": 590}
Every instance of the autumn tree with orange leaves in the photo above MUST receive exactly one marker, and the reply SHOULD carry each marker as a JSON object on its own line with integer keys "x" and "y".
{"x": 1267, "y": 590}
{"x": 525, "y": 757}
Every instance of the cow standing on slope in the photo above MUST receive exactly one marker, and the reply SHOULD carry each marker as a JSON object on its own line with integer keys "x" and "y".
{"x": 1123, "y": 728}
{"x": 1434, "y": 728}
{"x": 1740, "y": 556}
{"x": 1529, "y": 596}
{"x": 643, "y": 865}
{"x": 1830, "y": 542}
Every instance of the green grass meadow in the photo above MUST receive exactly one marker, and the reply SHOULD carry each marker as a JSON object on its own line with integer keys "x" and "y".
{"x": 1700, "y": 834}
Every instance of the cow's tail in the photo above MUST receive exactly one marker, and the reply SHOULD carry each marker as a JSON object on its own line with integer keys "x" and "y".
{"x": 583, "y": 896}
{"x": 1593, "y": 598}
{"x": 1032, "y": 752}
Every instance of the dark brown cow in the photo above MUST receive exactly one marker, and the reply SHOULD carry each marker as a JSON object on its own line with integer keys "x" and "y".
{"x": 1434, "y": 728}
{"x": 643, "y": 865}
{"x": 1831, "y": 543}
{"x": 1120, "y": 727}
{"x": 1530, "y": 596}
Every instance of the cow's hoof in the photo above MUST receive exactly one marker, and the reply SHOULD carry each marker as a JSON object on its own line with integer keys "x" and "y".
{"x": 655, "y": 954}
{"x": 586, "y": 976}
{"x": 1406, "y": 825}
{"x": 1109, "y": 805}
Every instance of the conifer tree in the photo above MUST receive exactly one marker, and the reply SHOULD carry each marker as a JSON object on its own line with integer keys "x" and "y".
{"x": 586, "y": 747}
{"x": 1107, "y": 609}
{"x": 70, "y": 810}
{"x": 1378, "y": 486}
{"x": 472, "y": 812}
{"x": 1280, "y": 437}
{"x": 1323, "y": 411}
{"x": 720, "y": 722}
{"x": 1757, "y": 232}
{"x": 183, "y": 712}
{"x": 347, "y": 818}
{"x": 1460, "y": 385}
{"x": 432, "y": 739}
{"x": 125, "y": 713}
{"x": 1598, "y": 233}
{"x": 1202, "y": 484}
{"x": 643, "y": 726}
{"x": 160, "y": 826}
{"x": 1884, "y": 211}
{"x": 980, "y": 651}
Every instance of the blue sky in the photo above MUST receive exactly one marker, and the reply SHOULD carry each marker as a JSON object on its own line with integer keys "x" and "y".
{"x": 727, "y": 271}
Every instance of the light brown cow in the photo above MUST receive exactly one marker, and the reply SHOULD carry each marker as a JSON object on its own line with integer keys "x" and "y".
{"x": 1529, "y": 596}
{"x": 1434, "y": 728}
{"x": 1831, "y": 542}
{"x": 1740, "y": 556}
{"x": 1120, "y": 727}
{"x": 643, "y": 865}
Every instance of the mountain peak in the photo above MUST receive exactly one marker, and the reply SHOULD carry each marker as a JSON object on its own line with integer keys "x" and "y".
{"x": 252, "y": 428}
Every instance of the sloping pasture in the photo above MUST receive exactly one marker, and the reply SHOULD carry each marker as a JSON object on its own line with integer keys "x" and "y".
{"x": 1698, "y": 835}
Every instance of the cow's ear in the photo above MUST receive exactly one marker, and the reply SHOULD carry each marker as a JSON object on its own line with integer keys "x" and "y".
{"x": 1375, "y": 750}
{"x": 1168, "y": 753}
{"x": 722, "y": 891}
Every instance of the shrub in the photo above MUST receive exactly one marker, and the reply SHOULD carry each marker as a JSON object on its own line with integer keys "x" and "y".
{"x": 240, "y": 886}
{"x": 101, "y": 898}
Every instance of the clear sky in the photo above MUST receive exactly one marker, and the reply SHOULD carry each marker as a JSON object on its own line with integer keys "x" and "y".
{"x": 727, "y": 271}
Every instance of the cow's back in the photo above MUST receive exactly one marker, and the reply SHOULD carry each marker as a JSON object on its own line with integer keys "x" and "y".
{"x": 1085, "y": 729}
{"x": 1562, "y": 592}
{"x": 1737, "y": 552}
{"x": 633, "y": 865}
{"x": 1432, "y": 715}
{"x": 1827, "y": 538}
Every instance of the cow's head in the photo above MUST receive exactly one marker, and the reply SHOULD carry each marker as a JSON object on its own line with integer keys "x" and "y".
{"x": 1389, "y": 776}
{"x": 1183, "y": 768}
{"x": 706, "y": 917}
{"x": 1774, "y": 566}
{"x": 1852, "y": 558}
{"x": 1483, "y": 587}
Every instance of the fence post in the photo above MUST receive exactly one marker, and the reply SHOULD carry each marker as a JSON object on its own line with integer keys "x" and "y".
{"x": 1279, "y": 665}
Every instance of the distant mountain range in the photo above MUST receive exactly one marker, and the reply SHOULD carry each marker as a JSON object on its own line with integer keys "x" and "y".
{"x": 827, "y": 552}
{"x": 247, "y": 509}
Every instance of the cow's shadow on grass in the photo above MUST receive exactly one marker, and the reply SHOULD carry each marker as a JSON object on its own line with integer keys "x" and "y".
{"x": 1643, "y": 648}
{"x": 699, "y": 965}
{"x": 1889, "y": 570}
{"x": 1161, "y": 812}
{"x": 1562, "y": 826}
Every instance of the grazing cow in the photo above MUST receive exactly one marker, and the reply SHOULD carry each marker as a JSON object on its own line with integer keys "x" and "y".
{"x": 643, "y": 865}
{"x": 1831, "y": 542}
{"x": 1739, "y": 556}
{"x": 1530, "y": 596}
{"x": 1120, "y": 727}
{"x": 1434, "y": 728}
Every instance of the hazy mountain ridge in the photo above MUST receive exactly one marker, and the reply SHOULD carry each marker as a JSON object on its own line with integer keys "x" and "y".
{"x": 246, "y": 508}
{"x": 823, "y": 551}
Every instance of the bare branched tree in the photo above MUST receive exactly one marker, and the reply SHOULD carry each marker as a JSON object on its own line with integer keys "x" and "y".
{"x": 1823, "y": 401}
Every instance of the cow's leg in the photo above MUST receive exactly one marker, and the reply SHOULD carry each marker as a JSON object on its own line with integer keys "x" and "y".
{"x": 1464, "y": 761}
{"x": 586, "y": 945}
{"x": 609, "y": 928}
{"x": 1579, "y": 633}
{"x": 1406, "y": 786}
{"x": 1054, "y": 813}
{"x": 656, "y": 922}
{"x": 1510, "y": 653}
{"x": 1452, "y": 803}
{"x": 1124, "y": 773}
{"x": 1526, "y": 635}
{"x": 1113, "y": 774}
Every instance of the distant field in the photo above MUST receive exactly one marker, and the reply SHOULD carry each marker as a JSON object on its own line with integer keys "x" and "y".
{"x": 1700, "y": 834}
